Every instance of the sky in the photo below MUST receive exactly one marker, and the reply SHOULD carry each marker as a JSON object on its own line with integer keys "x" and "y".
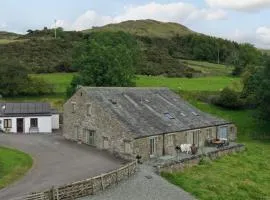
{"x": 239, "y": 20}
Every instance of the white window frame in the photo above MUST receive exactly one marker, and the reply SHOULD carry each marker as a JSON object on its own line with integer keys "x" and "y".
{"x": 7, "y": 123}
{"x": 127, "y": 147}
{"x": 74, "y": 107}
{"x": 170, "y": 139}
{"x": 89, "y": 109}
{"x": 153, "y": 149}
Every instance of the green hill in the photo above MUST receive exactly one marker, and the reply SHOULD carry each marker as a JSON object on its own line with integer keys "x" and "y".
{"x": 8, "y": 37}
{"x": 164, "y": 49}
{"x": 149, "y": 28}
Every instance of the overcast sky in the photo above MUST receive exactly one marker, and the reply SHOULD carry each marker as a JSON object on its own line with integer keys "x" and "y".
{"x": 240, "y": 20}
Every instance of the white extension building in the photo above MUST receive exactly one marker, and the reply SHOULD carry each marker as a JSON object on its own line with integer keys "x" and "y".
{"x": 28, "y": 118}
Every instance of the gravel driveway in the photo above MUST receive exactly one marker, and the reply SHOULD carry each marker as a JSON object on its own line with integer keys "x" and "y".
{"x": 145, "y": 185}
{"x": 56, "y": 162}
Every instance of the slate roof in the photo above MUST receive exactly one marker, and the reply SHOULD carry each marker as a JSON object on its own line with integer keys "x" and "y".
{"x": 151, "y": 111}
{"x": 24, "y": 109}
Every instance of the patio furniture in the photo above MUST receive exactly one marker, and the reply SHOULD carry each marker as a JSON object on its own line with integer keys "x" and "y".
{"x": 218, "y": 143}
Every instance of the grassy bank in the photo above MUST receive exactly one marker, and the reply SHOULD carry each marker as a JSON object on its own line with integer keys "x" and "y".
{"x": 13, "y": 165}
{"x": 241, "y": 176}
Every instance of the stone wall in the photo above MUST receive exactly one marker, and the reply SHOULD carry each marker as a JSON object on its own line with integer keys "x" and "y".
{"x": 110, "y": 134}
{"x": 176, "y": 166}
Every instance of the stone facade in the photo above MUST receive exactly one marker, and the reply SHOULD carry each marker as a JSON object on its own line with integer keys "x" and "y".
{"x": 87, "y": 121}
{"x": 171, "y": 140}
{"x": 83, "y": 115}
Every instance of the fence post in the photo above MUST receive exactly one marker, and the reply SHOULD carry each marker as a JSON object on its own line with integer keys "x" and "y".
{"x": 52, "y": 193}
{"x": 102, "y": 184}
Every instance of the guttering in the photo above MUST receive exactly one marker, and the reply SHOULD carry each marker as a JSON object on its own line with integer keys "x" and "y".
{"x": 145, "y": 136}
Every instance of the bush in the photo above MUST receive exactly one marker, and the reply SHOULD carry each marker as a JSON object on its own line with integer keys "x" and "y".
{"x": 37, "y": 86}
{"x": 229, "y": 98}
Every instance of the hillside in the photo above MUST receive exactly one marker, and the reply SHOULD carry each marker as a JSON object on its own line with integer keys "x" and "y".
{"x": 163, "y": 46}
{"x": 149, "y": 28}
{"x": 8, "y": 35}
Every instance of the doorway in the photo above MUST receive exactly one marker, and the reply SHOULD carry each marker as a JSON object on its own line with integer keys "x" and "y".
{"x": 90, "y": 134}
{"x": 20, "y": 125}
{"x": 153, "y": 147}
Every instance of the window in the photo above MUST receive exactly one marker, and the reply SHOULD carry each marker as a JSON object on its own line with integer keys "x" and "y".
{"x": 194, "y": 113}
{"x": 7, "y": 123}
{"x": 34, "y": 122}
{"x": 232, "y": 130}
{"x": 73, "y": 107}
{"x": 209, "y": 133}
{"x": 171, "y": 139}
{"x": 89, "y": 109}
{"x": 127, "y": 147}
{"x": 169, "y": 116}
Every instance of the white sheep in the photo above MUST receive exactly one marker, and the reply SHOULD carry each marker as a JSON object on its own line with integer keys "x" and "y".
{"x": 186, "y": 148}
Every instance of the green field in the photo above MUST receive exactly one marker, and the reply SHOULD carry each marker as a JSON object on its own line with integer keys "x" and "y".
{"x": 240, "y": 176}
{"x": 62, "y": 80}
{"x": 13, "y": 165}
{"x": 195, "y": 84}
{"x": 209, "y": 69}
{"x": 59, "y": 80}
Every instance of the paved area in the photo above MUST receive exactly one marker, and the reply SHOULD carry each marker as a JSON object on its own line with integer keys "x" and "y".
{"x": 143, "y": 185}
{"x": 56, "y": 162}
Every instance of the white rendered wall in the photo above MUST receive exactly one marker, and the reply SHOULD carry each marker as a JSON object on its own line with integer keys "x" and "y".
{"x": 44, "y": 124}
{"x": 13, "y": 129}
{"x": 55, "y": 121}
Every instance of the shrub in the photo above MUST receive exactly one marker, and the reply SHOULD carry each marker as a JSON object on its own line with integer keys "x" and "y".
{"x": 229, "y": 98}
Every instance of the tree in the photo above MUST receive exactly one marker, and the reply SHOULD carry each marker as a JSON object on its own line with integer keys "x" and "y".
{"x": 229, "y": 99}
{"x": 263, "y": 90}
{"x": 14, "y": 80}
{"x": 105, "y": 59}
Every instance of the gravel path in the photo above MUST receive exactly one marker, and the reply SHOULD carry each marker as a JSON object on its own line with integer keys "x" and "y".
{"x": 145, "y": 185}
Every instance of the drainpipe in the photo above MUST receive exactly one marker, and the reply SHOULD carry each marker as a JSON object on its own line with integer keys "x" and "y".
{"x": 163, "y": 150}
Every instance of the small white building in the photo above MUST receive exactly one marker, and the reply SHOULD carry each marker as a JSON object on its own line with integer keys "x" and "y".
{"x": 28, "y": 118}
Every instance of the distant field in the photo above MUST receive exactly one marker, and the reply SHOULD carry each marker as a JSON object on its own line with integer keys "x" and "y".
{"x": 6, "y": 41}
{"x": 209, "y": 69}
{"x": 186, "y": 84}
{"x": 59, "y": 80}
{"x": 62, "y": 80}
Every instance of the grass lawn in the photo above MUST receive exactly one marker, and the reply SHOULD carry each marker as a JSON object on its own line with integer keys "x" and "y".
{"x": 240, "y": 176}
{"x": 13, "y": 165}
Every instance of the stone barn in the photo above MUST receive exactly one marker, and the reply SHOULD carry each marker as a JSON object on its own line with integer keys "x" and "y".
{"x": 149, "y": 122}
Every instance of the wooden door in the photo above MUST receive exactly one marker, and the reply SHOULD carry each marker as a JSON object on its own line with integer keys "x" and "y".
{"x": 20, "y": 125}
